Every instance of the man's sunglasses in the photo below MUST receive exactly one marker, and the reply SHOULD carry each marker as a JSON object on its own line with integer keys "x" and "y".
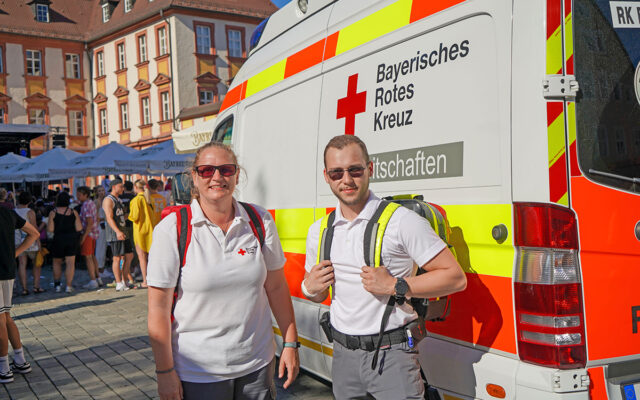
{"x": 207, "y": 171}
{"x": 337, "y": 173}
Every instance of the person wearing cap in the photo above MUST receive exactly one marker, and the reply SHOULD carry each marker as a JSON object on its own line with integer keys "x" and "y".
{"x": 115, "y": 229}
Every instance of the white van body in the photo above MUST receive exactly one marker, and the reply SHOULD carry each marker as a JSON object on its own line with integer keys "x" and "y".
{"x": 475, "y": 105}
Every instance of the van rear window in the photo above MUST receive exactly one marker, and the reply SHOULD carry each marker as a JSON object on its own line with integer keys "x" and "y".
{"x": 606, "y": 52}
{"x": 224, "y": 131}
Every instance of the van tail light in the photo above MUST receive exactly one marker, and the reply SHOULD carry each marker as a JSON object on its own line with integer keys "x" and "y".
{"x": 547, "y": 288}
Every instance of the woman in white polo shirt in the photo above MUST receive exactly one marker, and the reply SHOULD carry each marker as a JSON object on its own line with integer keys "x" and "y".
{"x": 221, "y": 343}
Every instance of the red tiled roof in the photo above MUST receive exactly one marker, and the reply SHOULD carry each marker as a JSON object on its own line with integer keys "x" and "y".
{"x": 81, "y": 20}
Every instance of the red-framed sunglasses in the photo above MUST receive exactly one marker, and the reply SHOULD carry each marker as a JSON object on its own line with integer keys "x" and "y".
{"x": 207, "y": 171}
{"x": 336, "y": 174}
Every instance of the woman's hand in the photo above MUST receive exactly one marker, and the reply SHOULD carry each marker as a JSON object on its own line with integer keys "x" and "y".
{"x": 290, "y": 360}
{"x": 169, "y": 386}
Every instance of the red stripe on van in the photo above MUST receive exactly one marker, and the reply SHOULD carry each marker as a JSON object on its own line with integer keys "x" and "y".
{"x": 482, "y": 314}
{"x": 554, "y": 109}
{"x": 570, "y": 65}
{"x": 554, "y": 16}
{"x": 558, "y": 179}
{"x": 422, "y": 9}
{"x": 597, "y": 385}
{"x": 330, "y": 45}
{"x": 305, "y": 58}
{"x": 573, "y": 160}
{"x": 232, "y": 97}
{"x": 294, "y": 272}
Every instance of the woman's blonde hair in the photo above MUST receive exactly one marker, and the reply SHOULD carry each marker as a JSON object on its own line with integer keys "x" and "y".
{"x": 210, "y": 145}
{"x": 142, "y": 185}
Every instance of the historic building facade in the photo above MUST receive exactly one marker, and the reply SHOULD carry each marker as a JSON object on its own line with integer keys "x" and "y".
{"x": 102, "y": 70}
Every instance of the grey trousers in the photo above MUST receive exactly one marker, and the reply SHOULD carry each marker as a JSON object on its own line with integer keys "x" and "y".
{"x": 257, "y": 385}
{"x": 397, "y": 375}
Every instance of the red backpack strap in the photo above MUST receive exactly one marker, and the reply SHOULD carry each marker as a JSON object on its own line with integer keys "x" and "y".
{"x": 183, "y": 225}
{"x": 257, "y": 226}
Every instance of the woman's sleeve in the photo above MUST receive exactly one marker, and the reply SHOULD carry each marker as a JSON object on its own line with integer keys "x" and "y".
{"x": 134, "y": 209}
{"x": 163, "y": 267}
{"x": 272, "y": 249}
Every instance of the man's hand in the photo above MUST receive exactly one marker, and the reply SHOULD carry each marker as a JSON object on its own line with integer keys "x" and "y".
{"x": 120, "y": 235}
{"x": 320, "y": 277}
{"x": 378, "y": 281}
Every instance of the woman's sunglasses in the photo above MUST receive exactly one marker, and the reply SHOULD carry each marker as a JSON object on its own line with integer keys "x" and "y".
{"x": 337, "y": 173}
{"x": 207, "y": 171}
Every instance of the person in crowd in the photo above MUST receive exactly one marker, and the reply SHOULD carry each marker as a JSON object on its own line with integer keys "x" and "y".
{"x": 9, "y": 221}
{"x": 158, "y": 201}
{"x": 120, "y": 243}
{"x": 126, "y": 198}
{"x": 363, "y": 291}
{"x": 106, "y": 183}
{"x": 65, "y": 225}
{"x": 90, "y": 233}
{"x": 4, "y": 199}
{"x": 142, "y": 215}
{"x": 101, "y": 242}
{"x": 225, "y": 292}
{"x": 26, "y": 213}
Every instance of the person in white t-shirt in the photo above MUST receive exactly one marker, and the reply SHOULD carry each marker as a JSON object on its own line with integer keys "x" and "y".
{"x": 361, "y": 292}
{"x": 221, "y": 342}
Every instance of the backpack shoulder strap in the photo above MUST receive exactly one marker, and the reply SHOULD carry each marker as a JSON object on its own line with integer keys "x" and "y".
{"x": 374, "y": 232}
{"x": 183, "y": 226}
{"x": 325, "y": 237}
{"x": 255, "y": 221}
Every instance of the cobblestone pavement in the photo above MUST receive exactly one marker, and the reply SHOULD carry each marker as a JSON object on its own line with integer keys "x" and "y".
{"x": 93, "y": 345}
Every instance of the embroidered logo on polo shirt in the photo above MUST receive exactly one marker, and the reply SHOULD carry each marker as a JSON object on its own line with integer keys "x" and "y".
{"x": 241, "y": 252}
{"x": 249, "y": 250}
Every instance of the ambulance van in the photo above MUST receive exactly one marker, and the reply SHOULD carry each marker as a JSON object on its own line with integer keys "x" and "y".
{"x": 521, "y": 118}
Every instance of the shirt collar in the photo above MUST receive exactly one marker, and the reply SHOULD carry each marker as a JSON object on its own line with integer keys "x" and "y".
{"x": 197, "y": 215}
{"x": 366, "y": 213}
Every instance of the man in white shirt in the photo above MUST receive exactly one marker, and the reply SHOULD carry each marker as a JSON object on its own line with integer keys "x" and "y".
{"x": 361, "y": 292}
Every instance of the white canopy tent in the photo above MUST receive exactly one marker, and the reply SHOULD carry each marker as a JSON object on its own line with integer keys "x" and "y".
{"x": 96, "y": 162}
{"x": 37, "y": 169}
{"x": 155, "y": 160}
{"x": 10, "y": 160}
{"x": 190, "y": 139}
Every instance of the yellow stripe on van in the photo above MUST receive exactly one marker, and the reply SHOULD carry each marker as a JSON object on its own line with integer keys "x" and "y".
{"x": 568, "y": 36}
{"x": 564, "y": 200}
{"x": 293, "y": 225}
{"x": 476, "y": 250}
{"x": 571, "y": 121}
{"x": 371, "y": 27}
{"x": 554, "y": 52}
{"x": 556, "y": 145}
{"x": 266, "y": 78}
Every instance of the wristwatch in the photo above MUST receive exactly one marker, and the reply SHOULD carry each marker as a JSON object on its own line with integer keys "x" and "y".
{"x": 294, "y": 345}
{"x": 401, "y": 288}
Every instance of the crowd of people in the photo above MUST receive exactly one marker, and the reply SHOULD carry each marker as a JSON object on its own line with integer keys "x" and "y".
{"x": 103, "y": 225}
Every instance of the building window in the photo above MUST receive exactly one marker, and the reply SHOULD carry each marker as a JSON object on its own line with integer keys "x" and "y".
{"x": 72, "y": 65}
{"x": 121, "y": 58}
{"x": 142, "y": 48}
{"x": 1, "y": 60}
{"x": 34, "y": 63}
{"x": 100, "y": 62}
{"x": 42, "y": 13}
{"x": 128, "y": 5}
{"x": 2, "y": 121}
{"x": 166, "y": 106}
{"x": 146, "y": 111}
{"x": 124, "y": 116}
{"x": 103, "y": 121}
{"x": 36, "y": 116}
{"x": 162, "y": 41}
{"x": 106, "y": 13}
{"x": 205, "y": 96}
{"x": 75, "y": 123}
{"x": 203, "y": 39}
{"x": 235, "y": 43}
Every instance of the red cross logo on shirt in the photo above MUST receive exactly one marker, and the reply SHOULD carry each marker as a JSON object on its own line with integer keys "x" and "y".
{"x": 354, "y": 103}
{"x": 242, "y": 252}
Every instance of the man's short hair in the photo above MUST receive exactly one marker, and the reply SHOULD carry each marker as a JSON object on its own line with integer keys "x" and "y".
{"x": 128, "y": 186}
{"x": 341, "y": 141}
{"x": 24, "y": 198}
{"x": 114, "y": 182}
{"x": 84, "y": 190}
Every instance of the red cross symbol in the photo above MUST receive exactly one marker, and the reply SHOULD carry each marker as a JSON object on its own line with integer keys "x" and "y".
{"x": 242, "y": 252}
{"x": 354, "y": 103}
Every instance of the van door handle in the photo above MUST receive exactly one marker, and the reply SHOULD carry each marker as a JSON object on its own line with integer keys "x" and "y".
{"x": 638, "y": 230}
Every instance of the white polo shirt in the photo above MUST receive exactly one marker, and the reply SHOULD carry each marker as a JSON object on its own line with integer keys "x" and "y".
{"x": 222, "y": 328}
{"x": 408, "y": 238}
